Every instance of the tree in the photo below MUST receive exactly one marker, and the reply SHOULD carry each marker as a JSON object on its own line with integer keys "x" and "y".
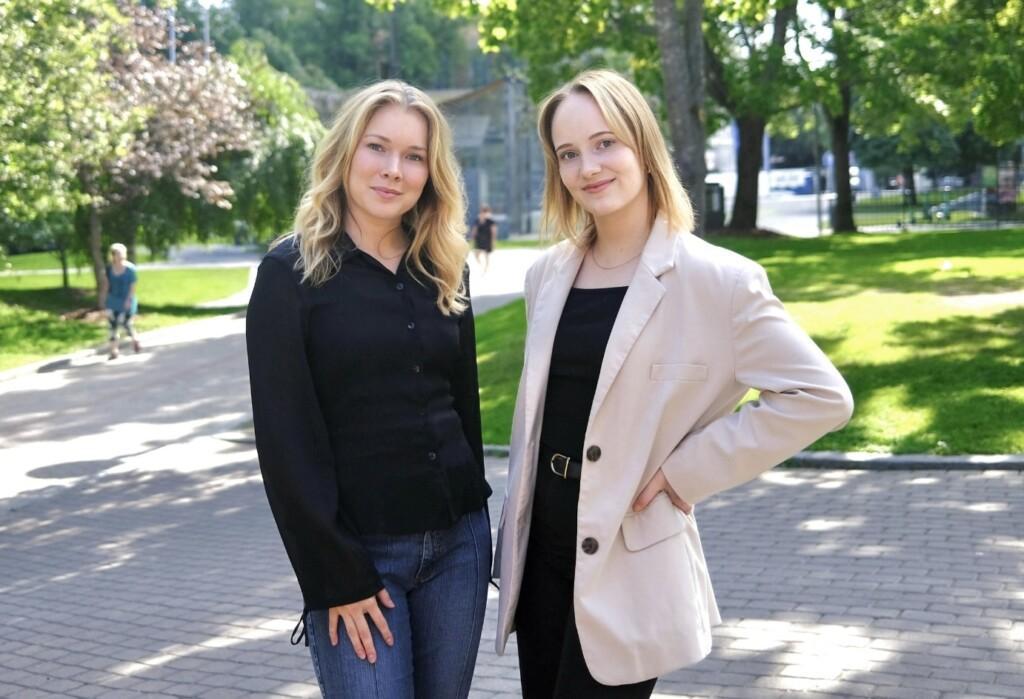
{"x": 190, "y": 111}
{"x": 660, "y": 46}
{"x": 750, "y": 76}
{"x": 56, "y": 115}
{"x": 345, "y": 43}
{"x": 681, "y": 40}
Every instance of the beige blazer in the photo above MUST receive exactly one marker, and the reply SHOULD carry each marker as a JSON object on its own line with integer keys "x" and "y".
{"x": 697, "y": 327}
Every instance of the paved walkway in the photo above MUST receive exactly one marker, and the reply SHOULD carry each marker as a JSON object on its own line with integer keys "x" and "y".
{"x": 138, "y": 556}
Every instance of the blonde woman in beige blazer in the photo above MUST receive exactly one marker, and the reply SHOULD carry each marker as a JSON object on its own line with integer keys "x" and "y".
{"x": 661, "y": 334}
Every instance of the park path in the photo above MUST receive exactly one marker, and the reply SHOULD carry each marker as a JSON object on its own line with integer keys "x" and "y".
{"x": 138, "y": 557}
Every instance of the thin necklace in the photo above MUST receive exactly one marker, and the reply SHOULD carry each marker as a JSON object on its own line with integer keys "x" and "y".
{"x": 593, "y": 256}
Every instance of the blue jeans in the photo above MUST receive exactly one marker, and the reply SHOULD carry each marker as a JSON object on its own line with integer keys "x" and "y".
{"x": 438, "y": 582}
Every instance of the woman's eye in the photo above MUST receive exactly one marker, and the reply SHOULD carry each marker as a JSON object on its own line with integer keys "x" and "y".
{"x": 416, "y": 157}
{"x": 568, "y": 155}
{"x": 606, "y": 143}
{"x": 375, "y": 146}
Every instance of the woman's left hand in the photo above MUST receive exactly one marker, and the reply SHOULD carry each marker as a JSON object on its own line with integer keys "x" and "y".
{"x": 658, "y": 484}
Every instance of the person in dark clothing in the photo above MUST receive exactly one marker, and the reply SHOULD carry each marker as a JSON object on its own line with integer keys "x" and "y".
{"x": 485, "y": 234}
{"x": 362, "y": 366}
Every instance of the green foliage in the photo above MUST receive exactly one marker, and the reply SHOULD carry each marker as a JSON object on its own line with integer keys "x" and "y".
{"x": 55, "y": 112}
{"x": 348, "y": 42}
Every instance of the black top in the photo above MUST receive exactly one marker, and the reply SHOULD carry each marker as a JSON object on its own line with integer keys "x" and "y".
{"x": 583, "y": 332}
{"x": 482, "y": 236}
{"x": 366, "y": 412}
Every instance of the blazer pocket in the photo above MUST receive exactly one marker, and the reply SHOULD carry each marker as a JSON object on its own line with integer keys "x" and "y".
{"x": 679, "y": 372}
{"x": 658, "y": 522}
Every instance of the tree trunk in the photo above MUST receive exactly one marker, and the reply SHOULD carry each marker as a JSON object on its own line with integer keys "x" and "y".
{"x": 99, "y": 268}
{"x": 909, "y": 187}
{"x": 681, "y": 42}
{"x": 748, "y": 166}
{"x": 131, "y": 241}
{"x": 62, "y": 250}
{"x": 840, "y": 127}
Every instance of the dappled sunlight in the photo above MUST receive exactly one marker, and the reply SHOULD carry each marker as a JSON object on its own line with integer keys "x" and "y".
{"x": 824, "y": 525}
{"x": 783, "y": 477}
{"x": 830, "y": 480}
{"x": 815, "y": 657}
{"x": 986, "y": 507}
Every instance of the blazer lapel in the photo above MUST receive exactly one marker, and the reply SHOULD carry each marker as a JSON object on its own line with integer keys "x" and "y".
{"x": 550, "y": 300}
{"x": 642, "y": 297}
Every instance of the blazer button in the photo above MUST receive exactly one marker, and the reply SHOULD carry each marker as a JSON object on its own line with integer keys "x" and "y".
{"x": 589, "y": 545}
{"x": 593, "y": 453}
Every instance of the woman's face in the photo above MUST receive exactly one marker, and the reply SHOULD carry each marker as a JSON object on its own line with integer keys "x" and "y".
{"x": 389, "y": 168}
{"x": 116, "y": 257}
{"x": 602, "y": 173}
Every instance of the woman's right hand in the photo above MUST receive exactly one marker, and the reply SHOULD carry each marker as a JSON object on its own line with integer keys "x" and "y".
{"x": 354, "y": 616}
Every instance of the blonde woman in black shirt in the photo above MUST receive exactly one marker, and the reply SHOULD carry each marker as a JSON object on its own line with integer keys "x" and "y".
{"x": 362, "y": 366}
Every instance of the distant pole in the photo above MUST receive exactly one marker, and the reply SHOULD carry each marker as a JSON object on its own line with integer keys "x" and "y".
{"x": 512, "y": 199}
{"x": 393, "y": 68}
{"x": 172, "y": 37}
{"x": 206, "y": 34}
{"x": 817, "y": 168}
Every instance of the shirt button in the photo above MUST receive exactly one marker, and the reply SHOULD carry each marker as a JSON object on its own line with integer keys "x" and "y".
{"x": 417, "y": 368}
{"x": 432, "y": 456}
{"x": 589, "y": 545}
{"x": 411, "y": 325}
{"x": 593, "y": 453}
{"x": 399, "y": 286}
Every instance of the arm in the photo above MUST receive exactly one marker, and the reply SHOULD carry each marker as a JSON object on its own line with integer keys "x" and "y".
{"x": 465, "y": 382}
{"x": 494, "y": 234}
{"x": 802, "y": 398}
{"x": 294, "y": 453}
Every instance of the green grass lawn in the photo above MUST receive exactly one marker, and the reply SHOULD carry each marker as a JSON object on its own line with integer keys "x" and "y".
{"x": 928, "y": 376}
{"x": 50, "y": 260}
{"x": 33, "y": 308}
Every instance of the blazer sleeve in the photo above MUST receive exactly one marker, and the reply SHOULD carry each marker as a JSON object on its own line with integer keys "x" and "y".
{"x": 295, "y": 455}
{"x": 466, "y": 384}
{"x": 802, "y": 398}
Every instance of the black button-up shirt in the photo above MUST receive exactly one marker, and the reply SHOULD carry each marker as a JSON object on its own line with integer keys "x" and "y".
{"x": 366, "y": 412}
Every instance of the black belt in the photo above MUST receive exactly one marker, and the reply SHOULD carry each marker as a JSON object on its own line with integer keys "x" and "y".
{"x": 561, "y": 465}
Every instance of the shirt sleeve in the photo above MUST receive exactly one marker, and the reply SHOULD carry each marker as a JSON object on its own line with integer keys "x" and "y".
{"x": 295, "y": 455}
{"x": 802, "y": 398}
{"x": 466, "y": 384}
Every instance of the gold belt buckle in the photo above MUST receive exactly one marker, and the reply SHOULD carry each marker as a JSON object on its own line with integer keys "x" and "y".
{"x": 565, "y": 467}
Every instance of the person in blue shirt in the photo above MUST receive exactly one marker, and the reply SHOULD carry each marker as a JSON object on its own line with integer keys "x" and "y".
{"x": 122, "y": 303}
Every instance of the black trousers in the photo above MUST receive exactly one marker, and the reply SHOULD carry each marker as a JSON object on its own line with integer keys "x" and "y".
{"x": 551, "y": 664}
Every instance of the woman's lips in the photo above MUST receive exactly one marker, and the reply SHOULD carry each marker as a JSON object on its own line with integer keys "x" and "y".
{"x": 385, "y": 192}
{"x": 598, "y": 186}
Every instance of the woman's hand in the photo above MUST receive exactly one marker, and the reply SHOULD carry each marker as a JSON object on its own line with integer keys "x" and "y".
{"x": 354, "y": 617}
{"x": 658, "y": 484}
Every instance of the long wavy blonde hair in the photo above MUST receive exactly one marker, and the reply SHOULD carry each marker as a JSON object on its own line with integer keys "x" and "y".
{"x": 633, "y": 122}
{"x": 438, "y": 249}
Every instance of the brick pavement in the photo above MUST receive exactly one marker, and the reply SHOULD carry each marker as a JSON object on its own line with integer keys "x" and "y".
{"x": 138, "y": 557}
{"x": 159, "y": 581}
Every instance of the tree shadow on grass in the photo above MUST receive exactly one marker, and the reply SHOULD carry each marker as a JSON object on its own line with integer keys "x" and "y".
{"x": 959, "y": 376}
{"x": 829, "y": 268}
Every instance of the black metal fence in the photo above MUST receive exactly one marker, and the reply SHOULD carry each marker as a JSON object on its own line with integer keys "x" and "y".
{"x": 944, "y": 206}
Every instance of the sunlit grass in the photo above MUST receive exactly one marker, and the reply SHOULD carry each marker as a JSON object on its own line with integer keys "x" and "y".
{"x": 927, "y": 375}
{"x": 38, "y": 318}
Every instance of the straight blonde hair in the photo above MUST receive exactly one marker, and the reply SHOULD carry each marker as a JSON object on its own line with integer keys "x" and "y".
{"x": 633, "y": 122}
{"x": 437, "y": 222}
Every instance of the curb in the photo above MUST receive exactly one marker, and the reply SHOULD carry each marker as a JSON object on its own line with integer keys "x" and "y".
{"x": 869, "y": 461}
